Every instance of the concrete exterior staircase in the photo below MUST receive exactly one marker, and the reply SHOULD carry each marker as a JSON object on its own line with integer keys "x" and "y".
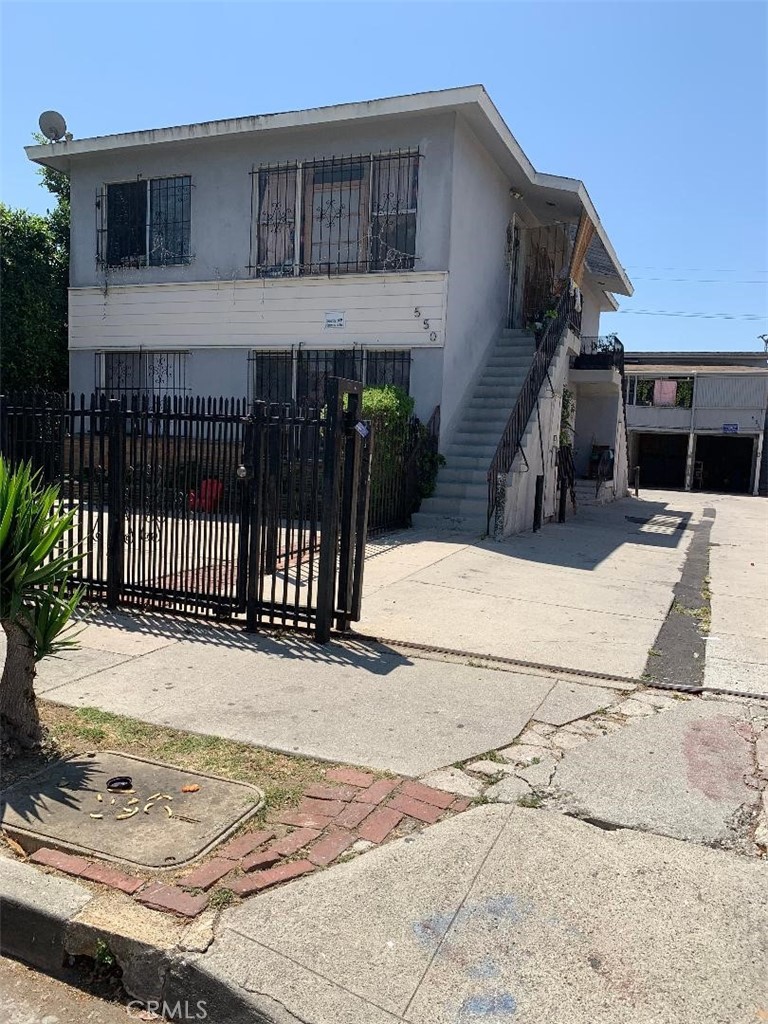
{"x": 585, "y": 493}
{"x": 460, "y": 500}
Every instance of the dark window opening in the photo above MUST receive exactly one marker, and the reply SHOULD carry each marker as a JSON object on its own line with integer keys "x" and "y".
{"x": 127, "y": 224}
{"x": 147, "y": 222}
{"x": 301, "y": 375}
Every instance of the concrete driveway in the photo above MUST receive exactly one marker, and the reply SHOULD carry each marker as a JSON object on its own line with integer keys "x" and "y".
{"x": 590, "y": 594}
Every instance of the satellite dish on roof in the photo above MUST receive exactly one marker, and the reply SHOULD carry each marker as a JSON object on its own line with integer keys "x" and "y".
{"x": 52, "y": 125}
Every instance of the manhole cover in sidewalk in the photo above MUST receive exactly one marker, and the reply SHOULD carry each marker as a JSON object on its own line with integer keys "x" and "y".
{"x": 60, "y": 807}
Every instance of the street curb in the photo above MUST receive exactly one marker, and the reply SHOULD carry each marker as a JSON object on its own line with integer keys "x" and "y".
{"x": 35, "y": 912}
{"x": 39, "y": 926}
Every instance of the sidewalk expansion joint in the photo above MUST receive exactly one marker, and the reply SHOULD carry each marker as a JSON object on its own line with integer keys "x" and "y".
{"x": 560, "y": 671}
{"x": 458, "y": 910}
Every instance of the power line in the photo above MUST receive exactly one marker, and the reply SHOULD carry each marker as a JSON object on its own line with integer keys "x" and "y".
{"x": 700, "y": 280}
{"x": 702, "y": 316}
{"x": 696, "y": 270}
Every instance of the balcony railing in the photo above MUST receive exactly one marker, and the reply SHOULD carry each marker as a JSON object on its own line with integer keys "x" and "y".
{"x": 602, "y": 353}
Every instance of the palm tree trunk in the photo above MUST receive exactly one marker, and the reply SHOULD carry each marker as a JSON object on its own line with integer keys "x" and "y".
{"x": 19, "y": 719}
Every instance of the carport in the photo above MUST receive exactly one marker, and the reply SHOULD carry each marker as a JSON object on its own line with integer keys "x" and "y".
{"x": 723, "y": 462}
{"x": 661, "y": 458}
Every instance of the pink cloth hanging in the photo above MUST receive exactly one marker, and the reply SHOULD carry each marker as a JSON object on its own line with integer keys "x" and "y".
{"x": 664, "y": 392}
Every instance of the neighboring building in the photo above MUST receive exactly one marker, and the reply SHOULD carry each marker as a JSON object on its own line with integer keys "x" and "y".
{"x": 697, "y": 420}
{"x": 404, "y": 240}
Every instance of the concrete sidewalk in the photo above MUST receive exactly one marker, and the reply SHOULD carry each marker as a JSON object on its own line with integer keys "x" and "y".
{"x": 737, "y": 646}
{"x": 589, "y": 595}
{"x": 357, "y": 703}
{"x": 498, "y": 915}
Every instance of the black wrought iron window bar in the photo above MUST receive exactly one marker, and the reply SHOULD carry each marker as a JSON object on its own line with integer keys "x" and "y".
{"x": 141, "y": 374}
{"x": 301, "y": 375}
{"x": 146, "y": 222}
{"x": 338, "y": 215}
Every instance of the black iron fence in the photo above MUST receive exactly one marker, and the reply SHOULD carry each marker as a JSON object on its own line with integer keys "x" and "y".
{"x": 155, "y": 488}
{"x": 220, "y": 507}
{"x": 404, "y": 468}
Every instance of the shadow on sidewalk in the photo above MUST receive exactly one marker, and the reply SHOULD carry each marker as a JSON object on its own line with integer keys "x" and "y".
{"x": 583, "y": 541}
{"x": 587, "y": 539}
{"x": 368, "y": 656}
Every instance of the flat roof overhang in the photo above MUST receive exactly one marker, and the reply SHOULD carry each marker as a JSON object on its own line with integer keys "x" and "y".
{"x": 547, "y": 195}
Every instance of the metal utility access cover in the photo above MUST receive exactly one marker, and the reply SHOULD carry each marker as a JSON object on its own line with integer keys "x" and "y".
{"x": 56, "y": 807}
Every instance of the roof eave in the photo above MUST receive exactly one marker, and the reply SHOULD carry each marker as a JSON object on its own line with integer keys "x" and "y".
{"x": 58, "y": 153}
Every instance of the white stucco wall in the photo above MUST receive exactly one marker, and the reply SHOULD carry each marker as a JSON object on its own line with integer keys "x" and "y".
{"x": 596, "y": 418}
{"x": 591, "y": 302}
{"x": 478, "y": 275}
{"x": 621, "y": 456}
{"x": 221, "y": 195}
{"x": 542, "y": 434}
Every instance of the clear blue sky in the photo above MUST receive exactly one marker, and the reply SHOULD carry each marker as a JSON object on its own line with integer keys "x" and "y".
{"x": 660, "y": 108}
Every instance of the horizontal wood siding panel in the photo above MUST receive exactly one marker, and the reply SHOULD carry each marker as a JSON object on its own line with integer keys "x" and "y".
{"x": 378, "y": 309}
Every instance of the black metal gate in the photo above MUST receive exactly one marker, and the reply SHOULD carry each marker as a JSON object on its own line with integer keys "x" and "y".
{"x": 209, "y": 507}
{"x": 305, "y": 513}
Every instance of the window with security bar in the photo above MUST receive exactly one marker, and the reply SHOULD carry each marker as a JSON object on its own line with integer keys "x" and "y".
{"x": 335, "y": 216}
{"x": 301, "y": 375}
{"x": 142, "y": 374}
{"x": 145, "y": 222}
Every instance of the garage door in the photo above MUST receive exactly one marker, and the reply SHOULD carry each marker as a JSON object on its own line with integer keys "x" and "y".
{"x": 661, "y": 458}
{"x": 723, "y": 463}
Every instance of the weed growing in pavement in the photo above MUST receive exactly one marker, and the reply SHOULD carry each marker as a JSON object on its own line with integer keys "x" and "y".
{"x": 104, "y": 958}
{"x": 221, "y": 898}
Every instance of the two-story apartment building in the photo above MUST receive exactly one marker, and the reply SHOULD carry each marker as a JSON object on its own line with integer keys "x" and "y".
{"x": 405, "y": 240}
{"x": 697, "y": 420}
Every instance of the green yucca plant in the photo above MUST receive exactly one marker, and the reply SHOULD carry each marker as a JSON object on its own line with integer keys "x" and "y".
{"x": 37, "y": 560}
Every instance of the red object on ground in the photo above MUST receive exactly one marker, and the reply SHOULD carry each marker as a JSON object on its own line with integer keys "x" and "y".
{"x": 209, "y": 497}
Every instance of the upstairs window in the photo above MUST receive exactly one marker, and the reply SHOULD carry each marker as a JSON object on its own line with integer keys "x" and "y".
{"x": 335, "y": 216}
{"x": 660, "y": 392}
{"x": 145, "y": 222}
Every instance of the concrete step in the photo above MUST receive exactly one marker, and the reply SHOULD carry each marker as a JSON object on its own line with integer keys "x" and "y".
{"x": 509, "y": 360}
{"x": 453, "y": 524}
{"x": 508, "y": 392}
{"x": 451, "y": 506}
{"x": 491, "y": 404}
{"x": 459, "y": 459}
{"x": 482, "y": 414}
{"x": 475, "y": 489}
{"x": 451, "y": 474}
{"x": 477, "y": 435}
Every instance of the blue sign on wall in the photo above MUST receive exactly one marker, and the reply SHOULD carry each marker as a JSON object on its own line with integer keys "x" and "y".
{"x": 730, "y": 428}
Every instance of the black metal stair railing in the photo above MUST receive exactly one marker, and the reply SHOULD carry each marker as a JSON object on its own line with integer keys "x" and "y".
{"x": 566, "y": 315}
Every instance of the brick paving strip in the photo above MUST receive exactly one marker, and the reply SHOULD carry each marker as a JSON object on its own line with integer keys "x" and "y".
{"x": 352, "y": 805}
